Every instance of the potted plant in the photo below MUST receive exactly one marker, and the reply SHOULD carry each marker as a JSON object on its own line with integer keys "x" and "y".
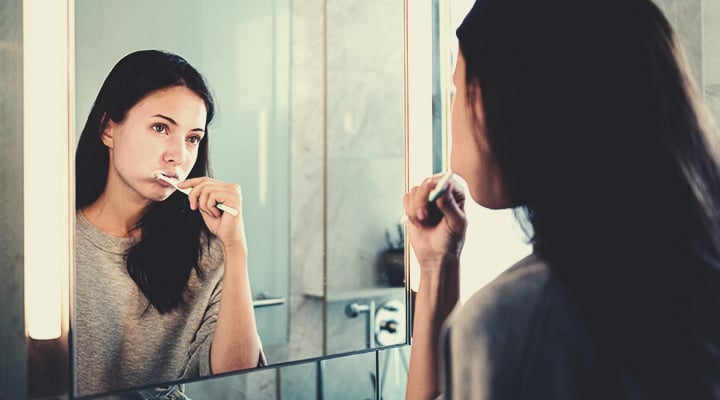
{"x": 392, "y": 259}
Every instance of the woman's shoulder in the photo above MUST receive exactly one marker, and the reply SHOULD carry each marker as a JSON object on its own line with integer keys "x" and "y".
{"x": 519, "y": 307}
{"x": 512, "y": 293}
{"x": 523, "y": 334}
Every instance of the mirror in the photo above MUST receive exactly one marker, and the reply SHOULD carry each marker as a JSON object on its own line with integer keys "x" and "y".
{"x": 310, "y": 121}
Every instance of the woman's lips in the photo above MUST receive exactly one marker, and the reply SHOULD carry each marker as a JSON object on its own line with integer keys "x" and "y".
{"x": 164, "y": 183}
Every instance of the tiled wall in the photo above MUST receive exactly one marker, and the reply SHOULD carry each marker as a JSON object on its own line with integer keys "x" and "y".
{"x": 711, "y": 55}
{"x": 697, "y": 22}
{"x": 363, "y": 157}
{"x": 351, "y": 377}
{"x": 13, "y": 354}
{"x": 365, "y": 143}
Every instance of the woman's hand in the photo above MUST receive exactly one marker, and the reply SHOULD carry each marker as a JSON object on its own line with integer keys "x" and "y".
{"x": 205, "y": 194}
{"x": 436, "y": 230}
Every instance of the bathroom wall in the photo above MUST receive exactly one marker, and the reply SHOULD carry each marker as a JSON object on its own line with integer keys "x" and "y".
{"x": 365, "y": 143}
{"x": 364, "y": 163}
{"x": 351, "y": 377}
{"x": 711, "y": 55}
{"x": 357, "y": 145}
{"x": 698, "y": 25}
{"x": 13, "y": 354}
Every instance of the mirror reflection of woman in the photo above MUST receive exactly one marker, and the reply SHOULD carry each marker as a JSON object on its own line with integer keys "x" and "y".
{"x": 161, "y": 281}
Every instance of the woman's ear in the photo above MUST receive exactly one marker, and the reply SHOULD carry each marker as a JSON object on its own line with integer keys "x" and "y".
{"x": 108, "y": 130}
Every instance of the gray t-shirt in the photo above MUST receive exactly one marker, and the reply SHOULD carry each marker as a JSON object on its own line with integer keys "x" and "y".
{"x": 521, "y": 337}
{"x": 118, "y": 344}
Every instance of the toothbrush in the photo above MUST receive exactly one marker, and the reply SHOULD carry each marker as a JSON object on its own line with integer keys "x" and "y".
{"x": 159, "y": 175}
{"x": 439, "y": 189}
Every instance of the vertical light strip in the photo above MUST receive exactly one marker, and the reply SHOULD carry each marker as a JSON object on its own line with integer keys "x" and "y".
{"x": 406, "y": 131}
{"x": 46, "y": 155}
{"x": 325, "y": 173}
{"x": 262, "y": 156}
{"x": 419, "y": 103}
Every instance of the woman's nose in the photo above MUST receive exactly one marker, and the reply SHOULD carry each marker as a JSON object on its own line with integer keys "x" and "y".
{"x": 175, "y": 152}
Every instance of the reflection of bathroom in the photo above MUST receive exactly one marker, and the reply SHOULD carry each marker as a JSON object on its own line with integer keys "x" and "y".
{"x": 320, "y": 200}
{"x": 346, "y": 181}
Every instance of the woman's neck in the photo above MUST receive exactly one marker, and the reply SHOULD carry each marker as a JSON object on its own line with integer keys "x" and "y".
{"x": 116, "y": 218}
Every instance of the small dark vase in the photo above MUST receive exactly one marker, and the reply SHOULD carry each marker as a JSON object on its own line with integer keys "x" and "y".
{"x": 392, "y": 267}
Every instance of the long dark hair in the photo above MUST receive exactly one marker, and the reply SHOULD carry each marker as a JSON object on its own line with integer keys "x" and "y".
{"x": 601, "y": 137}
{"x": 170, "y": 244}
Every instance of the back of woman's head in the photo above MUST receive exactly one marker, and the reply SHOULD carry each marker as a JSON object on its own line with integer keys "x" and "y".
{"x": 600, "y": 134}
{"x": 161, "y": 275}
{"x": 134, "y": 77}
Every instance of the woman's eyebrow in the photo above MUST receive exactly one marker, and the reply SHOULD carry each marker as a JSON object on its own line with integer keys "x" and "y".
{"x": 172, "y": 121}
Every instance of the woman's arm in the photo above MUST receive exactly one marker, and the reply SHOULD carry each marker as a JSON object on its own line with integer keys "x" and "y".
{"x": 235, "y": 343}
{"x": 437, "y": 246}
{"x": 436, "y": 297}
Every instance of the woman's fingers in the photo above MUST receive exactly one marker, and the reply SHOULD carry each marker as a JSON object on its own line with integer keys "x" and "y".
{"x": 418, "y": 208}
{"x": 452, "y": 206}
{"x": 206, "y": 193}
{"x": 415, "y": 203}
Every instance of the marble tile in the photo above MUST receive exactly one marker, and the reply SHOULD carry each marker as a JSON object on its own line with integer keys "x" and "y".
{"x": 364, "y": 200}
{"x": 351, "y": 377}
{"x": 299, "y": 382}
{"x": 306, "y": 226}
{"x": 393, "y": 370}
{"x": 306, "y": 327}
{"x": 306, "y": 111}
{"x": 668, "y": 8}
{"x": 712, "y": 97}
{"x": 308, "y": 33}
{"x": 13, "y": 361}
{"x": 688, "y": 24}
{"x": 366, "y": 35}
{"x": 365, "y": 113}
{"x": 260, "y": 384}
{"x": 711, "y": 42}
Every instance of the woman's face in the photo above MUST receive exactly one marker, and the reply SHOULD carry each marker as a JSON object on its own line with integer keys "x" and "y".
{"x": 161, "y": 132}
{"x": 470, "y": 154}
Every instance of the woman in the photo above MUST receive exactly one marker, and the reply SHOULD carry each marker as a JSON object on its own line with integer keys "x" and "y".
{"x": 582, "y": 115}
{"x": 162, "y": 289}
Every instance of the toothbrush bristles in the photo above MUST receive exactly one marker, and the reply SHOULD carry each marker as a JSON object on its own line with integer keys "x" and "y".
{"x": 441, "y": 187}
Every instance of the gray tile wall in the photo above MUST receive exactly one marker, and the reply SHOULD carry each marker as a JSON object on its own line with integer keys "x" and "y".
{"x": 13, "y": 354}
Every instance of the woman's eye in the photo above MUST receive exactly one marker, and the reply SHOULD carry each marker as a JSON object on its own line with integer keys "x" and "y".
{"x": 159, "y": 128}
{"x": 194, "y": 139}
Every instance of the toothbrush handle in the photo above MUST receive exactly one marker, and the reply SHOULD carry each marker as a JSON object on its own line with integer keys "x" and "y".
{"x": 228, "y": 209}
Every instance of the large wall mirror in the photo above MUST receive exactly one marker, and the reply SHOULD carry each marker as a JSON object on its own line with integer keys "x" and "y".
{"x": 311, "y": 123}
